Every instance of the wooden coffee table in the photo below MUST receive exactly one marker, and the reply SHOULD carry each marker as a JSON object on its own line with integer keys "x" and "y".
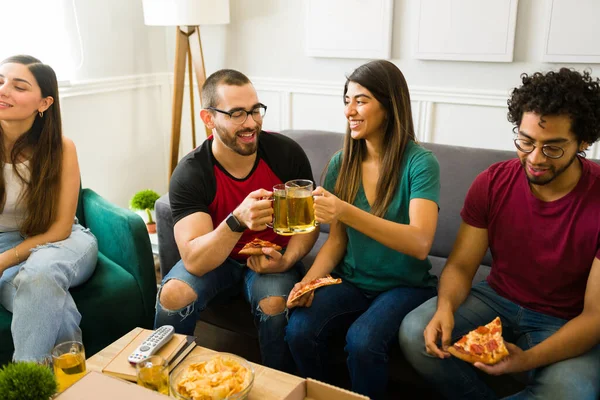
{"x": 269, "y": 384}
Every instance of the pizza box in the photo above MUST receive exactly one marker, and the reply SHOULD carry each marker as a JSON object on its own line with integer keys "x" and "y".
{"x": 311, "y": 389}
{"x": 97, "y": 386}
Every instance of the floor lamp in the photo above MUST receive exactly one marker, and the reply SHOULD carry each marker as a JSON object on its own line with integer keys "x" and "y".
{"x": 187, "y": 16}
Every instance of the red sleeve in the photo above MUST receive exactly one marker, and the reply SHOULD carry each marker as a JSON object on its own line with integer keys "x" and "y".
{"x": 475, "y": 208}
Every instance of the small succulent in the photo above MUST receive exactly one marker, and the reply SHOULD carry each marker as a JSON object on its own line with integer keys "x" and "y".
{"x": 26, "y": 381}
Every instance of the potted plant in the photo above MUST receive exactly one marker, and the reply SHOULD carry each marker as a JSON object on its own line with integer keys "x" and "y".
{"x": 144, "y": 201}
{"x": 27, "y": 381}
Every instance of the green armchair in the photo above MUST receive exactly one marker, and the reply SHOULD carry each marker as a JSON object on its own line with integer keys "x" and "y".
{"x": 121, "y": 293}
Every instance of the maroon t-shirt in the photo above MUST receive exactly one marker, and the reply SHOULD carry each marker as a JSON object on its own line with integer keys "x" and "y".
{"x": 200, "y": 184}
{"x": 542, "y": 251}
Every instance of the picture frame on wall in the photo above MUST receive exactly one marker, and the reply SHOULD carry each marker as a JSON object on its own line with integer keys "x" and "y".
{"x": 567, "y": 41}
{"x": 466, "y": 30}
{"x": 328, "y": 33}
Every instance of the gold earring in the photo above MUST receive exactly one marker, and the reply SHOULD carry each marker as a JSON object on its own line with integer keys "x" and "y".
{"x": 41, "y": 114}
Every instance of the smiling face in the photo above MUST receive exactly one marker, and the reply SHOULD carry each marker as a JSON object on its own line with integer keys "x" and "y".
{"x": 552, "y": 130}
{"x": 242, "y": 139}
{"x": 20, "y": 95}
{"x": 366, "y": 116}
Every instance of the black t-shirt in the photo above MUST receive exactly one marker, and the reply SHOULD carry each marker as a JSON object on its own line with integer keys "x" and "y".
{"x": 200, "y": 184}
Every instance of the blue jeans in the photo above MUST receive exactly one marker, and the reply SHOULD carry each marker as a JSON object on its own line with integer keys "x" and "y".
{"x": 36, "y": 291}
{"x": 226, "y": 281}
{"x": 370, "y": 325}
{"x": 574, "y": 378}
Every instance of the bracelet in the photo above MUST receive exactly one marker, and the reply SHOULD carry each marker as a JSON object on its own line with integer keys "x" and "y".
{"x": 17, "y": 255}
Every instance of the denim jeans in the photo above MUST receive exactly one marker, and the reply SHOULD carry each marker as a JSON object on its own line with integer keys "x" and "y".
{"x": 36, "y": 291}
{"x": 574, "y": 378}
{"x": 370, "y": 325}
{"x": 225, "y": 282}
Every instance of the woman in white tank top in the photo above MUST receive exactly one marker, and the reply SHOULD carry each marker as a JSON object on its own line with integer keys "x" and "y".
{"x": 43, "y": 249}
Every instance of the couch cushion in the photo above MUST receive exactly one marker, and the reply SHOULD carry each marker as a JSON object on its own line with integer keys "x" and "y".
{"x": 168, "y": 253}
{"x": 458, "y": 168}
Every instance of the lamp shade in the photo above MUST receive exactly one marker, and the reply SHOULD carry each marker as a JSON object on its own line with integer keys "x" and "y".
{"x": 186, "y": 12}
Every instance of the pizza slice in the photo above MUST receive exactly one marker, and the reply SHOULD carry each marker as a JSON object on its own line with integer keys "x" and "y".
{"x": 314, "y": 284}
{"x": 484, "y": 344}
{"x": 254, "y": 248}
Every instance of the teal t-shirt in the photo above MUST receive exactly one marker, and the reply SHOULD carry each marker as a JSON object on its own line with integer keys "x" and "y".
{"x": 370, "y": 265}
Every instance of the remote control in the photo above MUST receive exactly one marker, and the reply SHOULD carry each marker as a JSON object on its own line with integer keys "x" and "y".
{"x": 152, "y": 344}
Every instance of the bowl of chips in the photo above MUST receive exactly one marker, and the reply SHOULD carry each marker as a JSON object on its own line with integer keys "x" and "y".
{"x": 217, "y": 376}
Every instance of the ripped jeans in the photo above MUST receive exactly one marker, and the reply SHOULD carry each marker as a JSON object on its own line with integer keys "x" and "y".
{"x": 36, "y": 291}
{"x": 225, "y": 282}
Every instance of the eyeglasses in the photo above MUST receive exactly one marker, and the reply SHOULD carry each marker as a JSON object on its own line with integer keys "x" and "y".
{"x": 550, "y": 151}
{"x": 240, "y": 116}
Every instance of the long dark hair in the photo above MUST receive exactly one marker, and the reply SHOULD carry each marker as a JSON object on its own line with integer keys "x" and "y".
{"x": 44, "y": 140}
{"x": 385, "y": 81}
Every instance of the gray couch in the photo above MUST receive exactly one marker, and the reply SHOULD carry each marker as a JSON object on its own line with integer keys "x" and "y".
{"x": 459, "y": 167}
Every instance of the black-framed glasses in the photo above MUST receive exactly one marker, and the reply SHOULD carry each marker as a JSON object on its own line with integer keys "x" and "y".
{"x": 240, "y": 116}
{"x": 549, "y": 150}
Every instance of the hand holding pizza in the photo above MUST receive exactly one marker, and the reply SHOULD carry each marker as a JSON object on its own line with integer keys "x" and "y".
{"x": 327, "y": 206}
{"x": 302, "y": 301}
{"x": 307, "y": 289}
{"x": 256, "y": 210}
{"x": 270, "y": 261}
{"x": 513, "y": 362}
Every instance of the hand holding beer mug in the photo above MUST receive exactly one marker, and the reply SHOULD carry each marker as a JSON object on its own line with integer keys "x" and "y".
{"x": 301, "y": 213}
{"x": 68, "y": 361}
{"x": 153, "y": 374}
{"x": 327, "y": 206}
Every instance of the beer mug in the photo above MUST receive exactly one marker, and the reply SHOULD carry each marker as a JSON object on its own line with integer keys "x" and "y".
{"x": 300, "y": 211}
{"x": 280, "y": 211}
{"x": 68, "y": 361}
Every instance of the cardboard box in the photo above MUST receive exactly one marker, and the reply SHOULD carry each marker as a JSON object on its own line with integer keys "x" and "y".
{"x": 311, "y": 389}
{"x": 97, "y": 386}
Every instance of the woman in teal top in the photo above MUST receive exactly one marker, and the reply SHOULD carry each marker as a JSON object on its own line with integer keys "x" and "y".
{"x": 380, "y": 197}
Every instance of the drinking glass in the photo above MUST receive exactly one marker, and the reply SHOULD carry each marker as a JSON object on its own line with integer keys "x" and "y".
{"x": 280, "y": 211}
{"x": 153, "y": 373}
{"x": 68, "y": 362}
{"x": 301, "y": 214}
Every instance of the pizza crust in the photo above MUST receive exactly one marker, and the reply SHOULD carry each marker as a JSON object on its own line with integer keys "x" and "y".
{"x": 473, "y": 358}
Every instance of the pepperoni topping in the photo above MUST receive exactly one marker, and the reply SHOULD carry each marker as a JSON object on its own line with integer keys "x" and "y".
{"x": 496, "y": 330}
{"x": 462, "y": 340}
{"x": 491, "y": 345}
{"x": 476, "y": 349}
{"x": 482, "y": 330}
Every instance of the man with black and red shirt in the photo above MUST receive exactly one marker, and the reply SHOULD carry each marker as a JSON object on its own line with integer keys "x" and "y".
{"x": 219, "y": 195}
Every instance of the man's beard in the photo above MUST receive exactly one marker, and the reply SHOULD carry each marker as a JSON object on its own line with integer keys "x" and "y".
{"x": 553, "y": 174}
{"x": 230, "y": 140}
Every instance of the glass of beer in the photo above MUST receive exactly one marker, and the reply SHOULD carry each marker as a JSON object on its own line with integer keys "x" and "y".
{"x": 280, "y": 211}
{"x": 68, "y": 362}
{"x": 301, "y": 214}
{"x": 153, "y": 374}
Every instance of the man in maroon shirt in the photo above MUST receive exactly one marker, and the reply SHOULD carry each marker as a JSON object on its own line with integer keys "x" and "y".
{"x": 540, "y": 216}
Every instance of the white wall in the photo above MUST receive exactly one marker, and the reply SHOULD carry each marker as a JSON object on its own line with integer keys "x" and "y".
{"x": 117, "y": 109}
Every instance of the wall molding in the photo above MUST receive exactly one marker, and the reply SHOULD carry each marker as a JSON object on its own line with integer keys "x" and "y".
{"x": 425, "y": 99}
{"x": 114, "y": 84}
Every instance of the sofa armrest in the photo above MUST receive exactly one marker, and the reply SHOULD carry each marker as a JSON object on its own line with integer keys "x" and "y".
{"x": 123, "y": 238}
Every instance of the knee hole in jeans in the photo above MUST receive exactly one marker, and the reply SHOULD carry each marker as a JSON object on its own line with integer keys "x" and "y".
{"x": 272, "y": 305}
{"x": 176, "y": 294}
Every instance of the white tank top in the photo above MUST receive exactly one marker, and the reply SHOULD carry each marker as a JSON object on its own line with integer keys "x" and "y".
{"x": 14, "y": 208}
